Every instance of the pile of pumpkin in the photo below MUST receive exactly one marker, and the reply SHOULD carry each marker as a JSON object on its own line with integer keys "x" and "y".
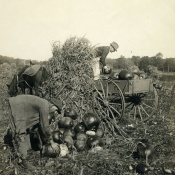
{"x": 127, "y": 75}
{"x": 71, "y": 135}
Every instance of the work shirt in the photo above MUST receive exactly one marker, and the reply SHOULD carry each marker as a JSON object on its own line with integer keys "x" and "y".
{"x": 102, "y": 52}
{"x": 29, "y": 110}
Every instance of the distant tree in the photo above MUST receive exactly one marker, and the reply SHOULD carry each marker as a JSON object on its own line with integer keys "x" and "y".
{"x": 153, "y": 72}
{"x": 144, "y": 62}
{"x": 159, "y": 55}
{"x": 123, "y": 63}
{"x": 136, "y": 60}
{"x": 19, "y": 63}
{"x": 169, "y": 65}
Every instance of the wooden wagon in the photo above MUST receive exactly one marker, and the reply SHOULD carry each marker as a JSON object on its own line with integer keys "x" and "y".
{"x": 135, "y": 99}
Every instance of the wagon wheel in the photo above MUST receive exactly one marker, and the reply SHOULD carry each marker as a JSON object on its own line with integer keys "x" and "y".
{"x": 141, "y": 106}
{"x": 109, "y": 100}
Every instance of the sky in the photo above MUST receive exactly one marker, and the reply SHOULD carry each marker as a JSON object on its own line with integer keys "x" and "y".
{"x": 140, "y": 27}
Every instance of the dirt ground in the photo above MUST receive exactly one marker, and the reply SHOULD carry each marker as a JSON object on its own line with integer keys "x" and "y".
{"x": 116, "y": 157}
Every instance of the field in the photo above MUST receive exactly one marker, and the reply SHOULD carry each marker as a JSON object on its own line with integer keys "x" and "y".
{"x": 116, "y": 158}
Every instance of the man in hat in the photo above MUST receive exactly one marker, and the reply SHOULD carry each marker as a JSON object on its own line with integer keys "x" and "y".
{"x": 100, "y": 57}
{"x": 28, "y": 112}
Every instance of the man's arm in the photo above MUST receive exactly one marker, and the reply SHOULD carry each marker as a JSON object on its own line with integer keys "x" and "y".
{"x": 44, "y": 121}
{"x": 105, "y": 52}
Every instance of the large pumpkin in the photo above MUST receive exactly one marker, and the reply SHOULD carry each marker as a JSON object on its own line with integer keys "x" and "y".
{"x": 68, "y": 140}
{"x": 91, "y": 121}
{"x": 82, "y": 137}
{"x": 65, "y": 122}
{"x": 52, "y": 151}
{"x": 57, "y": 136}
{"x": 80, "y": 145}
{"x": 106, "y": 69}
{"x": 125, "y": 75}
{"x": 100, "y": 132}
{"x": 69, "y": 132}
{"x": 114, "y": 76}
{"x": 70, "y": 112}
{"x": 79, "y": 128}
{"x": 94, "y": 141}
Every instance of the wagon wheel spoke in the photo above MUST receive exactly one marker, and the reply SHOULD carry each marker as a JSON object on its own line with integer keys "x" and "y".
{"x": 135, "y": 110}
{"x": 129, "y": 105}
{"x": 102, "y": 89}
{"x": 98, "y": 93}
{"x": 144, "y": 111}
{"x": 99, "y": 99}
{"x": 107, "y": 90}
{"x": 145, "y": 105}
{"x": 149, "y": 99}
{"x": 110, "y": 101}
{"x": 114, "y": 110}
{"x": 140, "y": 114}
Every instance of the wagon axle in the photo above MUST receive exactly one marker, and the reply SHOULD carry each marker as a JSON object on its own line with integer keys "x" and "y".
{"x": 135, "y": 99}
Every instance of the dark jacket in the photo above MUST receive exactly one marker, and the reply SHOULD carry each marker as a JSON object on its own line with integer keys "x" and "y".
{"x": 102, "y": 52}
{"x": 29, "y": 110}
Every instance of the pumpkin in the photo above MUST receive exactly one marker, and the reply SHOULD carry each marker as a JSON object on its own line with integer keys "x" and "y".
{"x": 90, "y": 133}
{"x": 106, "y": 69}
{"x": 63, "y": 150}
{"x": 114, "y": 75}
{"x": 100, "y": 132}
{"x": 125, "y": 75}
{"x": 69, "y": 132}
{"x": 135, "y": 76}
{"x": 79, "y": 128}
{"x": 80, "y": 145}
{"x": 65, "y": 122}
{"x": 69, "y": 141}
{"x": 70, "y": 112}
{"x": 52, "y": 150}
{"x": 81, "y": 136}
{"x": 142, "y": 76}
{"x": 93, "y": 141}
{"x": 57, "y": 136}
{"x": 90, "y": 121}
{"x": 96, "y": 149}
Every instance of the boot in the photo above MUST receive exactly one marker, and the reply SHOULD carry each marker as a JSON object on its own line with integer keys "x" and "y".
{"x": 27, "y": 165}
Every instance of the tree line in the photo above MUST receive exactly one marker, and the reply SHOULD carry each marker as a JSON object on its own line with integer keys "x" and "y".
{"x": 144, "y": 63}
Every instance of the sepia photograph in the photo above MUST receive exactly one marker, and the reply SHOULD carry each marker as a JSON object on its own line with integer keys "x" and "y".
{"x": 87, "y": 87}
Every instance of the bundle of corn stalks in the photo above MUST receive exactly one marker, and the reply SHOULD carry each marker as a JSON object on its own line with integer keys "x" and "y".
{"x": 72, "y": 79}
{"x": 72, "y": 74}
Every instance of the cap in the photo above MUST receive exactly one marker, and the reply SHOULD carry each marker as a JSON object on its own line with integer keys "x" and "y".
{"x": 114, "y": 45}
{"x": 57, "y": 103}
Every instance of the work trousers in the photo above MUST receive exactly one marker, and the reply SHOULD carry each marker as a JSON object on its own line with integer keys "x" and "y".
{"x": 96, "y": 68}
{"x": 23, "y": 144}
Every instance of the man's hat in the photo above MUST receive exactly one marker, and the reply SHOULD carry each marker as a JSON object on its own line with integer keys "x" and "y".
{"x": 57, "y": 103}
{"x": 114, "y": 45}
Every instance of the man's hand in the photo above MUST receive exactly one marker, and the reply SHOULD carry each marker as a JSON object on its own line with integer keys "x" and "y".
{"x": 54, "y": 145}
{"x": 105, "y": 67}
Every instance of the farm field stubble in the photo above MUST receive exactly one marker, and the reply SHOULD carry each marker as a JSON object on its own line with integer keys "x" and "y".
{"x": 115, "y": 158}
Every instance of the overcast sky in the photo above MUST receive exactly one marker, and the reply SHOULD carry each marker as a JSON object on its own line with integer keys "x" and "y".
{"x": 140, "y": 27}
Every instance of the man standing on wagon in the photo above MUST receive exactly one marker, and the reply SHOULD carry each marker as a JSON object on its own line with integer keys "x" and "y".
{"x": 101, "y": 53}
{"x": 28, "y": 112}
